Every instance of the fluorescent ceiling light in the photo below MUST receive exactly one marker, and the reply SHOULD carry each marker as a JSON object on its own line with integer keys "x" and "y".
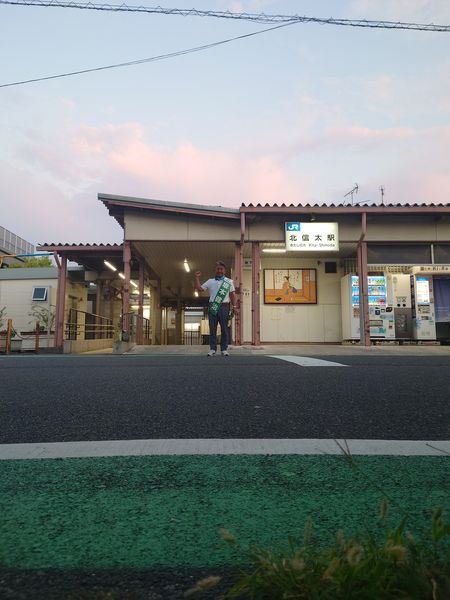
{"x": 133, "y": 284}
{"x": 186, "y": 265}
{"x": 275, "y": 250}
{"x": 109, "y": 265}
{"x": 122, "y": 276}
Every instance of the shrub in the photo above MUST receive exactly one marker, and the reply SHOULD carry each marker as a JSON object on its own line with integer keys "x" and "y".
{"x": 394, "y": 566}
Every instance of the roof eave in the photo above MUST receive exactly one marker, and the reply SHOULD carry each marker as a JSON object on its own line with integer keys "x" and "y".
{"x": 136, "y": 204}
{"x": 346, "y": 209}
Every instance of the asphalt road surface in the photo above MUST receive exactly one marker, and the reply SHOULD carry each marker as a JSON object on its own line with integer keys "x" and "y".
{"x": 57, "y": 398}
{"x": 146, "y": 527}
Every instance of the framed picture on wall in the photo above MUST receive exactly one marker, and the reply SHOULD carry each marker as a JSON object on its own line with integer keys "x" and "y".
{"x": 290, "y": 286}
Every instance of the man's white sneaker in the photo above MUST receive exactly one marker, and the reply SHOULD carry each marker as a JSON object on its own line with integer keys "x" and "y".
{"x": 211, "y": 353}
{"x": 225, "y": 353}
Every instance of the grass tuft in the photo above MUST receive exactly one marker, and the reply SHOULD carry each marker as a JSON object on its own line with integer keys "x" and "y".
{"x": 392, "y": 567}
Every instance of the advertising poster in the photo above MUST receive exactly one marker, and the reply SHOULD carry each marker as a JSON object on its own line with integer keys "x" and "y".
{"x": 290, "y": 286}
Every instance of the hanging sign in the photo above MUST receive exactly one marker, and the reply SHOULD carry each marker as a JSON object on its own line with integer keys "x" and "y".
{"x": 312, "y": 236}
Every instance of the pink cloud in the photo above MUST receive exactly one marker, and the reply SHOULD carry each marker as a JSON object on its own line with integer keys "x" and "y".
{"x": 185, "y": 172}
{"x": 50, "y": 187}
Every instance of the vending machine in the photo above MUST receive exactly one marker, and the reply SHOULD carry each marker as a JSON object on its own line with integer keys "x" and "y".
{"x": 399, "y": 297}
{"x": 381, "y": 316}
{"x": 424, "y": 323}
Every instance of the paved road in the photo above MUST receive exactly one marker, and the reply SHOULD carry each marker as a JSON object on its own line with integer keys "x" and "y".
{"x": 50, "y": 399}
{"x": 145, "y": 527}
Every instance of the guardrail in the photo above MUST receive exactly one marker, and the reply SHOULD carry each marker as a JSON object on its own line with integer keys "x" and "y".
{"x": 82, "y": 325}
{"x": 135, "y": 323}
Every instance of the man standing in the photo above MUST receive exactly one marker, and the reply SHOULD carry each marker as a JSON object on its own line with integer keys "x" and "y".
{"x": 221, "y": 291}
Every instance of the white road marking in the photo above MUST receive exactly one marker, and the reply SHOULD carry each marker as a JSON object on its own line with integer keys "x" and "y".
{"x": 307, "y": 361}
{"x": 182, "y": 447}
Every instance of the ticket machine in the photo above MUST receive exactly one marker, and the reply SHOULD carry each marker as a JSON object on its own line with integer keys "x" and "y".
{"x": 424, "y": 323}
{"x": 399, "y": 297}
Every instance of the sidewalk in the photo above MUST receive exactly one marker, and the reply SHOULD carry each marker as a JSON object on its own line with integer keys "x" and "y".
{"x": 304, "y": 350}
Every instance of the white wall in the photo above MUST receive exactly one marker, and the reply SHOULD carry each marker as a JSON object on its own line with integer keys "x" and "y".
{"x": 246, "y": 303}
{"x": 319, "y": 322}
{"x": 16, "y": 296}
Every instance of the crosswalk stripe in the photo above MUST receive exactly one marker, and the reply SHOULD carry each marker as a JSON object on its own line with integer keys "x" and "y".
{"x": 307, "y": 361}
{"x": 180, "y": 447}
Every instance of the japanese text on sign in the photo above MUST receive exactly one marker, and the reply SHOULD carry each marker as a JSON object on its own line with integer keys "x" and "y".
{"x": 312, "y": 236}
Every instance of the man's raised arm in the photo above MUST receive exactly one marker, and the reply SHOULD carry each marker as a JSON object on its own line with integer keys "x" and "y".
{"x": 197, "y": 284}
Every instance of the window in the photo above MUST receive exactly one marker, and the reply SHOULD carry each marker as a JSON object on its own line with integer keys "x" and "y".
{"x": 442, "y": 253}
{"x": 39, "y": 294}
{"x": 399, "y": 254}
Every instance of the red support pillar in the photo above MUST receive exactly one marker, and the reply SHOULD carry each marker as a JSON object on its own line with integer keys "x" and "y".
{"x": 60, "y": 303}
{"x": 238, "y": 265}
{"x": 140, "y": 325}
{"x": 126, "y": 287}
{"x": 256, "y": 259}
{"x": 363, "y": 295}
{"x": 178, "y": 320}
{"x": 99, "y": 329}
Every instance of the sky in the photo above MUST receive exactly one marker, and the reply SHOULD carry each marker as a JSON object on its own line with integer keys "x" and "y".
{"x": 297, "y": 115}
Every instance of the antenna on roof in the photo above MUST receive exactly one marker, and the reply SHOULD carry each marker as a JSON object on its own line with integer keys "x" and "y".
{"x": 351, "y": 193}
{"x": 382, "y": 195}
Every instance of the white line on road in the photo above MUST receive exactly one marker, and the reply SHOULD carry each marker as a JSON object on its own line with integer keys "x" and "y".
{"x": 183, "y": 447}
{"x": 307, "y": 361}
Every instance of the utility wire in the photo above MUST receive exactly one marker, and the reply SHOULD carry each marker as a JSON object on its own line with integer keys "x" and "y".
{"x": 243, "y": 16}
{"x": 147, "y": 60}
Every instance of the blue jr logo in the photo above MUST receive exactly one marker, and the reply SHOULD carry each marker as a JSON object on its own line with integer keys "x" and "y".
{"x": 293, "y": 226}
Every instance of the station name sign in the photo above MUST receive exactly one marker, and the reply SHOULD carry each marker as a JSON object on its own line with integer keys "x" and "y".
{"x": 312, "y": 236}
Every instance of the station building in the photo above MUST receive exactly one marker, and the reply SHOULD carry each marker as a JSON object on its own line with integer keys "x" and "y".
{"x": 303, "y": 273}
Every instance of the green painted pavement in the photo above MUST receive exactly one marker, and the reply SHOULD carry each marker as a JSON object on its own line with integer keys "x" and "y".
{"x": 144, "y": 512}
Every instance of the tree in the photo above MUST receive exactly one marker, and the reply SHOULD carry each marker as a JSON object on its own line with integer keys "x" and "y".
{"x": 32, "y": 262}
{"x": 45, "y": 317}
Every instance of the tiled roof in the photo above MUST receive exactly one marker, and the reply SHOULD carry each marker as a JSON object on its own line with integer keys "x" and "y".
{"x": 81, "y": 246}
{"x": 356, "y": 205}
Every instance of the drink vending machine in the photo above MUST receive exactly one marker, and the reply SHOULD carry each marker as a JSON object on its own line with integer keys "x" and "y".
{"x": 381, "y": 315}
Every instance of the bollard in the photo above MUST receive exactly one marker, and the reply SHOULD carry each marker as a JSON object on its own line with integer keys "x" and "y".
{"x": 8, "y": 337}
{"x": 36, "y": 341}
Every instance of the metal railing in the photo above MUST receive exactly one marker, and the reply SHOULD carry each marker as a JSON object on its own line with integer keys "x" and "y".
{"x": 134, "y": 323}
{"x": 82, "y": 325}
{"x": 192, "y": 338}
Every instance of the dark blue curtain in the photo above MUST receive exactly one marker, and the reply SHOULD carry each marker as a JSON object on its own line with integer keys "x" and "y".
{"x": 441, "y": 287}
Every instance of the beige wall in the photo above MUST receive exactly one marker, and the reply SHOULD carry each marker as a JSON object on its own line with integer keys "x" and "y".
{"x": 407, "y": 228}
{"x": 270, "y": 228}
{"x": 76, "y": 297}
{"x": 79, "y": 346}
{"x": 173, "y": 228}
{"x": 318, "y": 323}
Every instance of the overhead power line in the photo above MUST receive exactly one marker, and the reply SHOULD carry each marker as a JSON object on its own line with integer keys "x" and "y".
{"x": 242, "y": 16}
{"x": 146, "y": 60}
